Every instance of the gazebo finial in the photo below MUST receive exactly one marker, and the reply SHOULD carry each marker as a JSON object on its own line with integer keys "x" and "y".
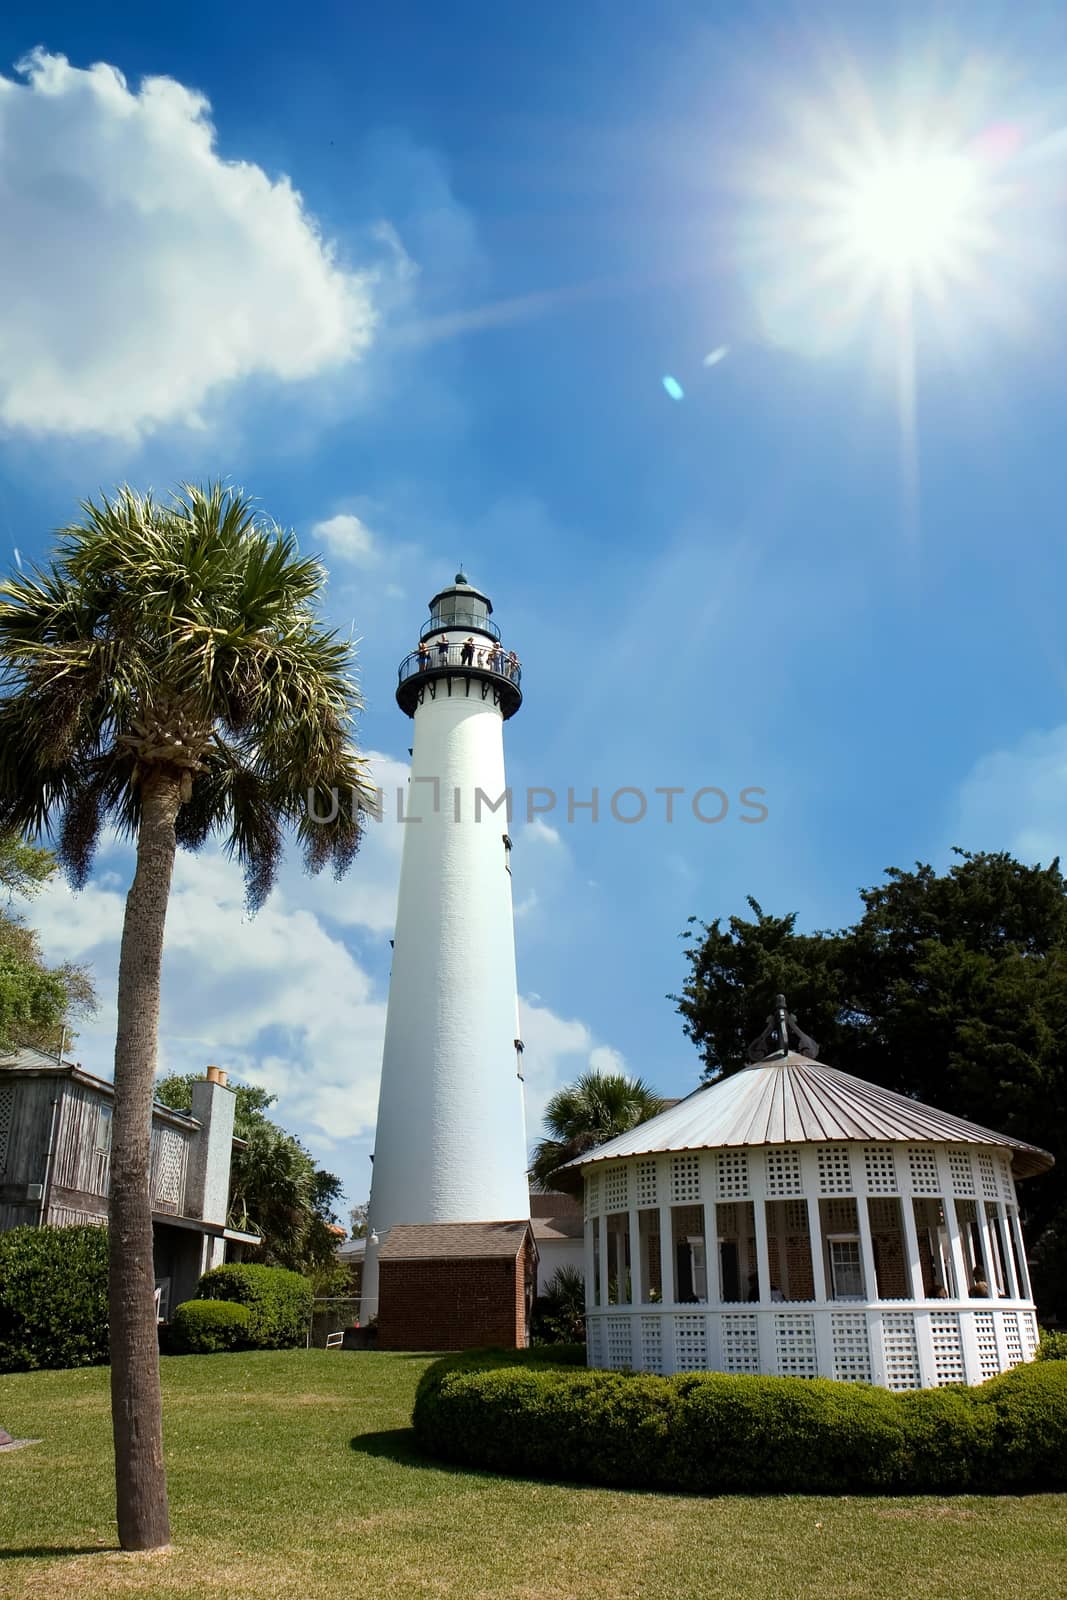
{"x": 775, "y": 1037}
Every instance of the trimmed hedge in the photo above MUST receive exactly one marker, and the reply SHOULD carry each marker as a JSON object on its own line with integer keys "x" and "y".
{"x": 200, "y": 1327}
{"x": 1053, "y": 1346}
{"x": 53, "y": 1298}
{"x": 279, "y": 1302}
{"x": 714, "y": 1433}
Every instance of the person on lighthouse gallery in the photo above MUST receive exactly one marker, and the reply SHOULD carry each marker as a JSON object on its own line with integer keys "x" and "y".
{"x": 424, "y": 655}
{"x": 442, "y": 652}
{"x": 466, "y": 655}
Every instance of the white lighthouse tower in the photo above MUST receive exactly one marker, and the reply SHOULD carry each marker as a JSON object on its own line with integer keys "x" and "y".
{"x": 451, "y": 1136}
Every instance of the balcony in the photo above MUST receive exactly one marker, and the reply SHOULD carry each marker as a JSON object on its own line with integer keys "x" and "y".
{"x": 487, "y": 666}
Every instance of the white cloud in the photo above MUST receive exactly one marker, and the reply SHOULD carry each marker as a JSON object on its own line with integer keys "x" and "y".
{"x": 557, "y": 1050}
{"x": 1016, "y": 799}
{"x": 347, "y": 537}
{"x": 543, "y": 832}
{"x": 139, "y": 270}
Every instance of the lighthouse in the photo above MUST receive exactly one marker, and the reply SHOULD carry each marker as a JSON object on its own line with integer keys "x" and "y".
{"x": 449, "y": 1206}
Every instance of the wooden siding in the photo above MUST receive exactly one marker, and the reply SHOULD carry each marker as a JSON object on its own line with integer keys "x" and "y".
{"x": 78, "y": 1163}
{"x": 28, "y": 1115}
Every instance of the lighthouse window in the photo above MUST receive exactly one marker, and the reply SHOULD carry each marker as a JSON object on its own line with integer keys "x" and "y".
{"x": 507, "y": 851}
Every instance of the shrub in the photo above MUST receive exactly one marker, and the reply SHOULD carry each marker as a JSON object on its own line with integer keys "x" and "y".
{"x": 559, "y": 1314}
{"x": 200, "y": 1327}
{"x": 279, "y": 1302}
{"x": 1053, "y": 1346}
{"x": 53, "y": 1298}
{"x": 714, "y": 1433}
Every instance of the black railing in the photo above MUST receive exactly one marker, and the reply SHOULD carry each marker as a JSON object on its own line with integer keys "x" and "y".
{"x": 447, "y": 657}
{"x": 461, "y": 619}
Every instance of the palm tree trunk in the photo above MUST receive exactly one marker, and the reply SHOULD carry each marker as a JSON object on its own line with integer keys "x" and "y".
{"x": 136, "y": 1402}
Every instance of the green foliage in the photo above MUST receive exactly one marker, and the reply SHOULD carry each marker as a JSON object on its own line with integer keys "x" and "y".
{"x": 200, "y": 1327}
{"x": 950, "y": 987}
{"x": 1052, "y": 1346}
{"x": 597, "y": 1107}
{"x": 279, "y": 1302}
{"x": 53, "y": 1298}
{"x": 36, "y": 1000}
{"x": 559, "y": 1314}
{"x": 714, "y": 1433}
{"x": 276, "y": 1188}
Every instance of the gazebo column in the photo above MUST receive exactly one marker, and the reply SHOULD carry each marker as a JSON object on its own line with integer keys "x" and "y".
{"x": 870, "y": 1283}
{"x": 824, "y": 1344}
{"x": 605, "y": 1272}
{"x": 590, "y": 1264}
{"x": 637, "y": 1293}
{"x": 666, "y": 1263}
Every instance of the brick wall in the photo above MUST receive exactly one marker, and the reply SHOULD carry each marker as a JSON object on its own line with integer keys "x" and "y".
{"x": 454, "y": 1304}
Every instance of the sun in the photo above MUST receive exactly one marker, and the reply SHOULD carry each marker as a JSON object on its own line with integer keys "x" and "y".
{"x": 912, "y": 213}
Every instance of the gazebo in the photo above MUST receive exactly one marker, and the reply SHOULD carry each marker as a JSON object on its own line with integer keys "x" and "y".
{"x": 792, "y": 1220}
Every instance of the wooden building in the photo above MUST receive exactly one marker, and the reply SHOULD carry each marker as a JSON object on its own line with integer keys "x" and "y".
{"x": 55, "y": 1151}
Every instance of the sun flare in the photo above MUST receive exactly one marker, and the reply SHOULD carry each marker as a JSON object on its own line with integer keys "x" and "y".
{"x": 913, "y": 211}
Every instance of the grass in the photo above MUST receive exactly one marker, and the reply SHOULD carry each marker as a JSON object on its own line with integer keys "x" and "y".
{"x": 294, "y": 1475}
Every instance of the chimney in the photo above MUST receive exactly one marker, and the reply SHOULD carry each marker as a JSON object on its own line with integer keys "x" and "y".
{"x": 208, "y": 1185}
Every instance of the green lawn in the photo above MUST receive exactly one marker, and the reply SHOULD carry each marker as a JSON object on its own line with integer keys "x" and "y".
{"x": 293, "y": 1475}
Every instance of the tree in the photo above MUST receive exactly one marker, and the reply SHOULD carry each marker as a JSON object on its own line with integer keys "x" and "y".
{"x": 359, "y": 1220}
{"x": 597, "y": 1107}
{"x": 37, "y": 1002}
{"x": 167, "y": 673}
{"x": 951, "y": 987}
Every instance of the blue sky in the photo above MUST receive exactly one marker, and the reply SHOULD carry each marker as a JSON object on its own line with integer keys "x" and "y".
{"x": 414, "y": 276}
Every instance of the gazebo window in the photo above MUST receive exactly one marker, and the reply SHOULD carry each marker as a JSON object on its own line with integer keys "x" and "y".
{"x": 789, "y": 1250}
{"x": 973, "y": 1245}
{"x": 651, "y": 1260}
{"x": 935, "y": 1252}
{"x": 736, "y": 1234}
{"x": 842, "y": 1255}
{"x": 690, "y": 1253}
{"x": 619, "y": 1290}
{"x": 890, "y": 1249}
{"x": 999, "y": 1253}
{"x": 1018, "y": 1255}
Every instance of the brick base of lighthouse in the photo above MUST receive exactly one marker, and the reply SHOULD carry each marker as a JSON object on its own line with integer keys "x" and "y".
{"x": 456, "y": 1286}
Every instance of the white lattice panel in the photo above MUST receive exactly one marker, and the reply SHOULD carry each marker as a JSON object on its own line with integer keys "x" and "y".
{"x": 1007, "y": 1182}
{"x": 794, "y": 1345}
{"x": 645, "y": 1183}
{"x": 1028, "y": 1329}
{"x": 948, "y": 1347}
{"x": 1013, "y": 1344}
{"x": 985, "y": 1337}
{"x": 987, "y": 1174}
{"x": 169, "y": 1168}
{"x": 835, "y": 1169}
{"x": 796, "y": 1216}
{"x": 733, "y": 1174}
{"x": 690, "y": 1344}
{"x": 740, "y": 1341}
{"x": 616, "y": 1189}
{"x": 592, "y": 1195}
{"x": 880, "y": 1168}
{"x": 7, "y": 1109}
{"x": 620, "y": 1344}
{"x": 959, "y": 1168}
{"x": 592, "y": 1341}
{"x": 851, "y": 1347}
{"x": 651, "y": 1344}
{"x": 922, "y": 1167}
{"x": 783, "y": 1173}
{"x": 901, "y": 1351}
{"x": 685, "y": 1179}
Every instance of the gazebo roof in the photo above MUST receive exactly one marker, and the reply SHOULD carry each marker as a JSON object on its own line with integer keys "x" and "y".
{"x": 791, "y": 1099}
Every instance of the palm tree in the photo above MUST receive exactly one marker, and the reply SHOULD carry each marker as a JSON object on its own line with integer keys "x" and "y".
{"x": 167, "y": 673}
{"x": 596, "y": 1108}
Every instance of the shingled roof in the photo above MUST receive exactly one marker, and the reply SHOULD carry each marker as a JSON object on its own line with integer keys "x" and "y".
{"x": 455, "y": 1241}
{"x": 791, "y": 1099}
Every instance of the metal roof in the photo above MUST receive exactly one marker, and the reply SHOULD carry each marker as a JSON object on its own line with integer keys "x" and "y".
{"x": 791, "y": 1099}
